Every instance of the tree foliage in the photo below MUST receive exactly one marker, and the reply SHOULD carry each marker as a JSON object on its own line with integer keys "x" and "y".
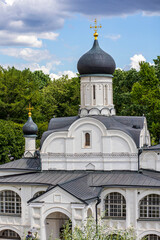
{"x": 100, "y": 231}
{"x": 135, "y": 93}
{"x": 11, "y": 141}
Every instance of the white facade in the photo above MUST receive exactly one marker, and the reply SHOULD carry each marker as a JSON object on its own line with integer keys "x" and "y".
{"x": 108, "y": 150}
{"x": 94, "y": 149}
{"x": 96, "y": 96}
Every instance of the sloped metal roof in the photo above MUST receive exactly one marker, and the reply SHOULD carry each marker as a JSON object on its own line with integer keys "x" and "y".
{"x": 44, "y": 178}
{"x": 81, "y": 188}
{"x": 130, "y": 125}
{"x": 27, "y": 164}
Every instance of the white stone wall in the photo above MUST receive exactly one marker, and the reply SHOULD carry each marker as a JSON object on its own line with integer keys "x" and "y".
{"x": 108, "y": 150}
{"x": 96, "y": 94}
{"x": 150, "y": 160}
{"x": 19, "y": 224}
{"x": 34, "y": 215}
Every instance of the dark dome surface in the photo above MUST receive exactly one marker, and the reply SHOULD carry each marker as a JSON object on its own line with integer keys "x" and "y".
{"x": 30, "y": 128}
{"x": 96, "y": 61}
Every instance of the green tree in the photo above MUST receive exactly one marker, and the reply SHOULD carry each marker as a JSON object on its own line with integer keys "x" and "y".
{"x": 11, "y": 141}
{"x": 146, "y": 94}
{"x": 61, "y": 98}
{"x": 92, "y": 231}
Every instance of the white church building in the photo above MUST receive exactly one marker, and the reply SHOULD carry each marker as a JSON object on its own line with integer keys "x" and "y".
{"x": 94, "y": 164}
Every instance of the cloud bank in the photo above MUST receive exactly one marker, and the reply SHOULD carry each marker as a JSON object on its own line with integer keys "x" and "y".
{"x": 22, "y": 22}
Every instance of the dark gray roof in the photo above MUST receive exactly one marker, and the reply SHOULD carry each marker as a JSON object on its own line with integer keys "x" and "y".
{"x": 26, "y": 164}
{"x": 80, "y": 188}
{"x": 130, "y": 125}
{"x": 96, "y": 61}
{"x": 124, "y": 179}
{"x": 43, "y": 178}
{"x": 58, "y": 125}
{"x": 86, "y": 185}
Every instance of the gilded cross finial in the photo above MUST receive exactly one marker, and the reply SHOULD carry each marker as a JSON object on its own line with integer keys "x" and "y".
{"x": 95, "y": 29}
{"x": 29, "y": 110}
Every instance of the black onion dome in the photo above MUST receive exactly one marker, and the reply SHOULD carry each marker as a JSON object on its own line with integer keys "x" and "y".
{"x": 30, "y": 128}
{"x": 96, "y": 61}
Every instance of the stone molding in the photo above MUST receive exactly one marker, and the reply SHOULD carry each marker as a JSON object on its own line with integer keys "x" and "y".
{"x": 89, "y": 155}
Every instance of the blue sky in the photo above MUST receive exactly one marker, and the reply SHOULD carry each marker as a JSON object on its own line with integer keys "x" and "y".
{"x": 52, "y": 35}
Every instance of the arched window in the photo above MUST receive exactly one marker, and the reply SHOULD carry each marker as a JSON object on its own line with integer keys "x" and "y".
{"x": 9, "y": 234}
{"x": 37, "y": 194}
{"x": 151, "y": 237}
{"x": 10, "y": 203}
{"x": 115, "y": 205}
{"x": 149, "y": 206}
{"x": 87, "y": 140}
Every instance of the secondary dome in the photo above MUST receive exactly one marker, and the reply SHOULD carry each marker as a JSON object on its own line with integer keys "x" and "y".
{"x": 96, "y": 61}
{"x": 30, "y": 128}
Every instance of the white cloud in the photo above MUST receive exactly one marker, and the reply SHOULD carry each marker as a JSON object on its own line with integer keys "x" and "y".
{"x": 27, "y": 21}
{"x": 48, "y": 35}
{"x": 29, "y": 40}
{"x": 8, "y": 38}
{"x": 135, "y": 60}
{"x": 113, "y": 37}
{"x": 27, "y": 54}
{"x": 60, "y": 74}
{"x": 9, "y": 2}
{"x": 50, "y": 66}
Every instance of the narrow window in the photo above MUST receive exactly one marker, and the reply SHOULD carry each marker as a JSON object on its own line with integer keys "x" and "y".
{"x": 87, "y": 140}
{"x": 94, "y": 92}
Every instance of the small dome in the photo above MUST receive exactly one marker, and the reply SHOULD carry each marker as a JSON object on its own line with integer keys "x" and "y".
{"x": 30, "y": 128}
{"x": 96, "y": 61}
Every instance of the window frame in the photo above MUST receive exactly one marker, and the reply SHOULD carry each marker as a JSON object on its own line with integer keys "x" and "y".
{"x": 148, "y": 237}
{"x": 10, "y": 203}
{"x": 147, "y": 209}
{"x": 115, "y": 206}
{"x": 84, "y": 146}
{"x": 9, "y": 234}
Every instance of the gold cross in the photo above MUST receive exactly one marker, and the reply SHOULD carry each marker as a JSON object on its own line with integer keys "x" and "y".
{"x": 29, "y": 110}
{"x": 95, "y": 29}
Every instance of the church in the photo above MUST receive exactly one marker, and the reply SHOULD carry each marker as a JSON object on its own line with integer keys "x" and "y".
{"x": 93, "y": 164}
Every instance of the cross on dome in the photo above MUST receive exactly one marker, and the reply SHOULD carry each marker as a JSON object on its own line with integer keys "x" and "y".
{"x": 95, "y": 29}
{"x": 29, "y": 110}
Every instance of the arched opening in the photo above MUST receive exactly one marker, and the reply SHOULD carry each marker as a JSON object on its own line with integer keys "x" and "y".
{"x": 37, "y": 194}
{"x": 89, "y": 213}
{"x": 10, "y": 203}
{"x": 87, "y": 140}
{"x": 9, "y": 234}
{"x": 149, "y": 206}
{"x": 55, "y": 223}
{"x": 115, "y": 205}
{"x": 151, "y": 237}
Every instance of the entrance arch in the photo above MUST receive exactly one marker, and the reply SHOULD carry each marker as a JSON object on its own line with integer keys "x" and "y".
{"x": 55, "y": 222}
